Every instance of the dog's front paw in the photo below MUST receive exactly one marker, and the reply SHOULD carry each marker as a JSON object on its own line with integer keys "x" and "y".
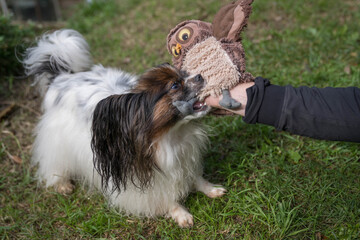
{"x": 209, "y": 189}
{"x": 64, "y": 188}
{"x": 182, "y": 217}
{"x": 216, "y": 191}
{"x": 185, "y": 221}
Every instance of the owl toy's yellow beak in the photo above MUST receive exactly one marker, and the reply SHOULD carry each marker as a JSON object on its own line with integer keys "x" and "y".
{"x": 178, "y": 48}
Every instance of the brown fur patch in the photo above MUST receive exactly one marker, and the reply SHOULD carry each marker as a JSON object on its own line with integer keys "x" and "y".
{"x": 157, "y": 79}
{"x": 157, "y": 82}
{"x": 164, "y": 117}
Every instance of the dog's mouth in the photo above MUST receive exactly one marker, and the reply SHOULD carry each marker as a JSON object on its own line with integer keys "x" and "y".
{"x": 199, "y": 106}
{"x": 191, "y": 106}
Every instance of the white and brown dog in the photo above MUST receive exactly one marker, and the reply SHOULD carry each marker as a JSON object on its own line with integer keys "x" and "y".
{"x": 133, "y": 138}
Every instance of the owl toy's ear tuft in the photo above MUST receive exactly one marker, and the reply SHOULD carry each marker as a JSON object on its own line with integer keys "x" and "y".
{"x": 231, "y": 19}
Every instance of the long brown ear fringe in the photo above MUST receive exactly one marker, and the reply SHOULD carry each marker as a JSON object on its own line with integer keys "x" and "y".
{"x": 121, "y": 141}
{"x": 231, "y": 19}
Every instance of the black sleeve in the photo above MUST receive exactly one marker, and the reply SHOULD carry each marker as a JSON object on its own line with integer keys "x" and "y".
{"x": 322, "y": 113}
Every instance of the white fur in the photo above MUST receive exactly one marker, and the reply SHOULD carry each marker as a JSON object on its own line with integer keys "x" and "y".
{"x": 179, "y": 157}
{"x": 62, "y": 147}
{"x": 66, "y": 49}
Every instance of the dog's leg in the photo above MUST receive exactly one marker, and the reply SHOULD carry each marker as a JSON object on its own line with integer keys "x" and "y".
{"x": 209, "y": 189}
{"x": 181, "y": 216}
{"x": 64, "y": 187}
{"x": 54, "y": 174}
{"x": 53, "y": 153}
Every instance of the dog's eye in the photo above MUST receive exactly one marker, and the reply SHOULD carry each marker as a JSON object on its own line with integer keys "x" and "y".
{"x": 176, "y": 85}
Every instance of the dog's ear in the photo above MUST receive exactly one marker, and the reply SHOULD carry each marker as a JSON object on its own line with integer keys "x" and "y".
{"x": 121, "y": 141}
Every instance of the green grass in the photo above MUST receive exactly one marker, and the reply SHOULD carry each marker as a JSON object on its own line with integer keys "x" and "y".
{"x": 280, "y": 186}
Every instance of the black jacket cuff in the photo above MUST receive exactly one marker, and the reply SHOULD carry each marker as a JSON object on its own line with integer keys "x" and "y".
{"x": 265, "y": 102}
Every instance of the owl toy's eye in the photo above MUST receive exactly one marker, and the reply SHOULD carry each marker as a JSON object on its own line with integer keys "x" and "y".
{"x": 184, "y": 34}
{"x": 175, "y": 50}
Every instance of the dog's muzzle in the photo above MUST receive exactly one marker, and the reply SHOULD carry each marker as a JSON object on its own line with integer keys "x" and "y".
{"x": 192, "y": 105}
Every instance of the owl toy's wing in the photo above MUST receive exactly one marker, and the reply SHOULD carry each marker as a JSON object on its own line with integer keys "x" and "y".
{"x": 231, "y": 19}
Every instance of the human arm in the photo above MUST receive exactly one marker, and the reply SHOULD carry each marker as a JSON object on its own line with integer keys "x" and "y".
{"x": 238, "y": 93}
{"x": 322, "y": 113}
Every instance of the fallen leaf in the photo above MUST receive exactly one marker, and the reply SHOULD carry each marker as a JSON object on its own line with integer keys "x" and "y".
{"x": 269, "y": 37}
{"x": 16, "y": 159}
{"x": 252, "y": 178}
{"x": 6, "y": 110}
{"x": 126, "y": 60}
{"x": 320, "y": 236}
{"x": 347, "y": 70}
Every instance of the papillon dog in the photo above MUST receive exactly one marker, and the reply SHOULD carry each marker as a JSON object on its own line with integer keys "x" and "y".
{"x": 136, "y": 139}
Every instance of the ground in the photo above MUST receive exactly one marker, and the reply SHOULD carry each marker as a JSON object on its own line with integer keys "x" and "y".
{"x": 280, "y": 186}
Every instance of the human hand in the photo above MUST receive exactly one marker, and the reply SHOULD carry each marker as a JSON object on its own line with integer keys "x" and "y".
{"x": 238, "y": 93}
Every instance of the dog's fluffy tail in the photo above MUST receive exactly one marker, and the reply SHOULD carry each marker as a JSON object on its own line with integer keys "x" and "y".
{"x": 63, "y": 51}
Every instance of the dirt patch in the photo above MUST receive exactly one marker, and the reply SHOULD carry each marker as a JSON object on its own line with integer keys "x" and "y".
{"x": 16, "y": 125}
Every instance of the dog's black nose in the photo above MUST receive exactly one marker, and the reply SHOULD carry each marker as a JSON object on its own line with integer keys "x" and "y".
{"x": 199, "y": 78}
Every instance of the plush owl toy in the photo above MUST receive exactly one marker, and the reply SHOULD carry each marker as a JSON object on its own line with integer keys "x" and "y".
{"x": 214, "y": 50}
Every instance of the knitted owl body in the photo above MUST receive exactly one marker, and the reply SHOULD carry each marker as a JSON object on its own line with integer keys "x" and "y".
{"x": 214, "y": 64}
